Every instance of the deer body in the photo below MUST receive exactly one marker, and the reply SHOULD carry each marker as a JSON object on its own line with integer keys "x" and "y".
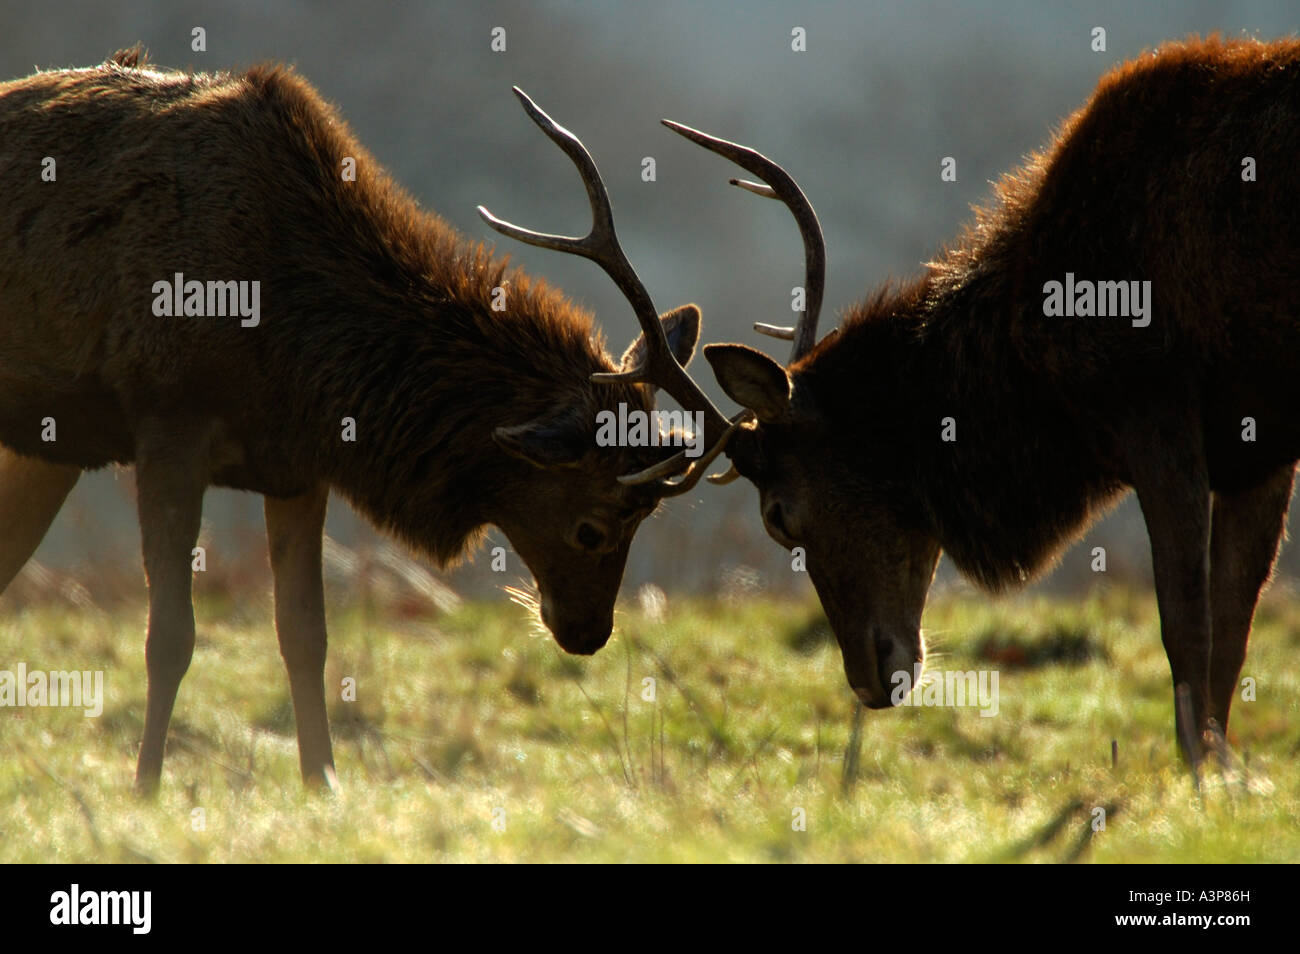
{"x": 351, "y": 281}
{"x": 372, "y": 315}
{"x": 964, "y": 413}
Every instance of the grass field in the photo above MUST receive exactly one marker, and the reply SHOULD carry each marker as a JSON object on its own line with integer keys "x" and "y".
{"x": 473, "y": 739}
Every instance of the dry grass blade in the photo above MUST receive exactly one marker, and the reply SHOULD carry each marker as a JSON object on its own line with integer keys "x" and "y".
{"x": 74, "y": 792}
{"x": 1045, "y": 835}
{"x": 1084, "y": 841}
{"x": 613, "y": 737}
{"x": 853, "y": 751}
{"x": 667, "y": 671}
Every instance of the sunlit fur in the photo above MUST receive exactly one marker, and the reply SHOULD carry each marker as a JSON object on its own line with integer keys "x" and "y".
{"x": 1125, "y": 190}
{"x": 373, "y": 308}
{"x": 1055, "y": 417}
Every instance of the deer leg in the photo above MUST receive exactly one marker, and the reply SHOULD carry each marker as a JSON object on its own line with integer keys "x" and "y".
{"x": 1247, "y": 529}
{"x": 293, "y": 533}
{"x": 31, "y": 492}
{"x": 1173, "y": 488}
{"x": 169, "y": 485}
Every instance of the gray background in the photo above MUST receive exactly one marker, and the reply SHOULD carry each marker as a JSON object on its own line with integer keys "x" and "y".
{"x": 861, "y": 119}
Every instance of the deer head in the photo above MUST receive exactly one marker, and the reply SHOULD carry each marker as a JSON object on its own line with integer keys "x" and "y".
{"x": 593, "y": 498}
{"x": 822, "y": 484}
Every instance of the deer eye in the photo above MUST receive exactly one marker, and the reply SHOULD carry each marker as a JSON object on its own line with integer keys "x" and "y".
{"x": 589, "y": 537}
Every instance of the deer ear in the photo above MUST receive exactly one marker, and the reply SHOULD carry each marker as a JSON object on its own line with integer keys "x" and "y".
{"x": 750, "y": 378}
{"x": 557, "y": 439}
{"x": 681, "y": 325}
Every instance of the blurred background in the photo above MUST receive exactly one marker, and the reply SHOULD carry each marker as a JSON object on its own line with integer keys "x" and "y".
{"x": 862, "y": 118}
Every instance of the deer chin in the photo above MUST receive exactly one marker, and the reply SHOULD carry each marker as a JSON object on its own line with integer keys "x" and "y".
{"x": 883, "y": 664}
{"x": 579, "y": 637}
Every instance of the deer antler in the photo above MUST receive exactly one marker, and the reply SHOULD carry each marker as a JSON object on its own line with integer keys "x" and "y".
{"x": 779, "y": 185}
{"x": 661, "y": 367}
{"x": 695, "y": 469}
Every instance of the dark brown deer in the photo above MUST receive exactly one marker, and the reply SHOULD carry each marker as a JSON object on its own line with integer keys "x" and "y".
{"x": 370, "y": 315}
{"x": 1049, "y": 419}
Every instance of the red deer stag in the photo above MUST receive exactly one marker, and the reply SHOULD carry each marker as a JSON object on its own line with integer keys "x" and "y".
{"x": 342, "y": 311}
{"x": 973, "y": 411}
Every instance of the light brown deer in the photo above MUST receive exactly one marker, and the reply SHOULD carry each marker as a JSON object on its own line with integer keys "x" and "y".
{"x": 369, "y": 316}
{"x": 964, "y": 412}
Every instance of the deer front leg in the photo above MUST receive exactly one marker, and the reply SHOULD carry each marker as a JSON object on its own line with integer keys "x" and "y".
{"x": 293, "y": 531}
{"x": 1174, "y": 492}
{"x": 169, "y": 487}
{"x": 1247, "y": 528}
{"x": 31, "y": 493}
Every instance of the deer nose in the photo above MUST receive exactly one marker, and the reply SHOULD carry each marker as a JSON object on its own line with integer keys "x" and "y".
{"x": 898, "y": 664}
{"x": 583, "y": 639}
{"x": 872, "y": 701}
{"x": 896, "y": 671}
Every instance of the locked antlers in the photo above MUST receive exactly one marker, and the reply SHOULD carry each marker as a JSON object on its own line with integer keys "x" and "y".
{"x": 661, "y": 367}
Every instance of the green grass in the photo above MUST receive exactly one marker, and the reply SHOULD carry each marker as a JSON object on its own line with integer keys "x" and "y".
{"x": 471, "y": 714}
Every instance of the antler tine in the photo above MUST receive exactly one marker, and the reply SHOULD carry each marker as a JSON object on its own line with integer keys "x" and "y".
{"x": 774, "y": 331}
{"x": 600, "y": 242}
{"x": 665, "y": 468}
{"x": 601, "y": 245}
{"x": 758, "y": 188}
{"x": 726, "y": 478}
{"x": 696, "y": 468}
{"x": 779, "y": 185}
